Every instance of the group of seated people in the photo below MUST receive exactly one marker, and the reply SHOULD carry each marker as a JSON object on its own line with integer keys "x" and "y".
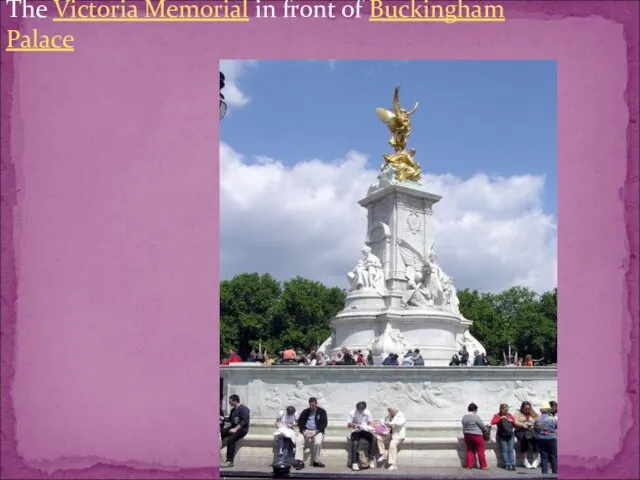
{"x": 294, "y": 432}
{"x": 367, "y": 437}
{"x": 535, "y": 433}
{"x": 290, "y": 356}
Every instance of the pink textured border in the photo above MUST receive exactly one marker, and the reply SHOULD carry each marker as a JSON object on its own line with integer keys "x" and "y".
{"x": 596, "y": 45}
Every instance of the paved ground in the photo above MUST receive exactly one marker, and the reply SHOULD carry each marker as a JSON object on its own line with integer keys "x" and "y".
{"x": 241, "y": 471}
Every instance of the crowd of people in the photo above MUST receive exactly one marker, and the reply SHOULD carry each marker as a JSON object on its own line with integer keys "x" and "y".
{"x": 536, "y": 435}
{"x": 374, "y": 443}
{"x": 344, "y": 356}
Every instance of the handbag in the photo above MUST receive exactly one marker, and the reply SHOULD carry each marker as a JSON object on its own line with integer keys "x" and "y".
{"x": 487, "y": 433}
{"x": 381, "y": 429}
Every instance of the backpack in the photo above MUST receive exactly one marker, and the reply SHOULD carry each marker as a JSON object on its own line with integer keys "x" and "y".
{"x": 505, "y": 428}
{"x": 363, "y": 459}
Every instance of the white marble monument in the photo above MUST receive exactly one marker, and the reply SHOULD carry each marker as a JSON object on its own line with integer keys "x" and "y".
{"x": 399, "y": 297}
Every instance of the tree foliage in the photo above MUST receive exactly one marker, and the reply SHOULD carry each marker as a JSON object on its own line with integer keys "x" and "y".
{"x": 258, "y": 310}
{"x": 517, "y": 318}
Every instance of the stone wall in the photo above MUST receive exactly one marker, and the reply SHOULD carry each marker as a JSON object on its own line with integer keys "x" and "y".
{"x": 430, "y": 397}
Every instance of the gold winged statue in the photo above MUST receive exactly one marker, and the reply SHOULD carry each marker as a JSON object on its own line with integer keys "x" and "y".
{"x": 398, "y": 122}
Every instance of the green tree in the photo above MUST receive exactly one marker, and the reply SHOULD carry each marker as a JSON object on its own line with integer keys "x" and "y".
{"x": 303, "y": 314}
{"x": 515, "y": 317}
{"x": 246, "y": 310}
{"x": 256, "y": 309}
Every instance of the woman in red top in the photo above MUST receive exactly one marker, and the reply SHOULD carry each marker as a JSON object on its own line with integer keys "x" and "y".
{"x": 232, "y": 358}
{"x": 505, "y": 436}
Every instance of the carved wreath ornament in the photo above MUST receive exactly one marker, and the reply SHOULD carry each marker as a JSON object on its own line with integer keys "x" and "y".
{"x": 413, "y": 222}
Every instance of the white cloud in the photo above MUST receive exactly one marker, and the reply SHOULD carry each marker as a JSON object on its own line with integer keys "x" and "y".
{"x": 233, "y": 70}
{"x": 305, "y": 220}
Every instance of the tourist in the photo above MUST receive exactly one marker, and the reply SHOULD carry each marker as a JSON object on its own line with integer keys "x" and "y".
{"x": 505, "y": 437}
{"x": 464, "y": 356}
{"x": 392, "y": 359}
{"x": 360, "y": 358}
{"x": 473, "y": 431}
{"x": 553, "y": 411}
{"x": 455, "y": 361}
{"x": 359, "y": 422}
{"x": 480, "y": 359}
{"x": 240, "y": 418}
{"x": 233, "y": 357}
{"x": 407, "y": 360}
{"x": 525, "y": 418}
{"x": 285, "y": 434}
{"x": 528, "y": 361}
{"x": 370, "y": 358}
{"x": 322, "y": 358}
{"x": 312, "y": 424}
{"x": 395, "y": 433}
{"x": 269, "y": 360}
{"x": 544, "y": 428}
{"x": 417, "y": 358}
{"x": 313, "y": 359}
{"x": 289, "y": 355}
{"x": 253, "y": 356}
{"x": 346, "y": 357}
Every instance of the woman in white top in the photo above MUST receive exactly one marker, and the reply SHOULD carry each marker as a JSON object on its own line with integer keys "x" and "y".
{"x": 286, "y": 420}
{"x": 396, "y": 433}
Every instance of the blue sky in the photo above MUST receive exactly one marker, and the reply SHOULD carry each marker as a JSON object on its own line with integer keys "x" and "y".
{"x": 301, "y": 143}
{"x": 494, "y": 117}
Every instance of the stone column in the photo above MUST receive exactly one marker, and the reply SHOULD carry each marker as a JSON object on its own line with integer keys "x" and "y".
{"x": 400, "y": 211}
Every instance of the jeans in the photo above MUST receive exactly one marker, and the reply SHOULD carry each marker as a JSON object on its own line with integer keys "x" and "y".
{"x": 229, "y": 440}
{"x": 475, "y": 445}
{"x": 507, "y": 450}
{"x": 548, "y": 454}
{"x": 284, "y": 447}
{"x": 355, "y": 442}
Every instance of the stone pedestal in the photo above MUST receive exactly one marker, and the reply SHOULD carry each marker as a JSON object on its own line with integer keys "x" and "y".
{"x": 384, "y": 320}
{"x": 399, "y": 211}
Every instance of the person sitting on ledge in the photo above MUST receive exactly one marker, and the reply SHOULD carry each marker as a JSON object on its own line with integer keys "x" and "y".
{"x": 391, "y": 360}
{"x": 360, "y": 423}
{"x": 289, "y": 356}
{"x": 240, "y": 418}
{"x": 407, "y": 361}
{"x": 312, "y": 424}
{"x": 417, "y": 358}
{"x": 285, "y": 435}
{"x": 232, "y": 358}
{"x": 347, "y": 357}
{"x": 393, "y": 430}
{"x": 455, "y": 361}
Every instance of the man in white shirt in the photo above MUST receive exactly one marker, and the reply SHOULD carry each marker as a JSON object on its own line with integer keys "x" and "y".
{"x": 395, "y": 422}
{"x": 285, "y": 434}
{"x": 359, "y": 422}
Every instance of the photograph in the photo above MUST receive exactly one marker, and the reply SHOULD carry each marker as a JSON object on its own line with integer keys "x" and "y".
{"x": 388, "y": 267}
{"x": 379, "y": 238}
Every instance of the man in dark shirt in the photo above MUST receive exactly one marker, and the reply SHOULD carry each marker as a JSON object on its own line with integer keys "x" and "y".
{"x": 312, "y": 424}
{"x": 239, "y": 417}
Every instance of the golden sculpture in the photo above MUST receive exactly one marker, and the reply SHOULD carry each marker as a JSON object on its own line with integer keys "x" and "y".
{"x": 399, "y": 123}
